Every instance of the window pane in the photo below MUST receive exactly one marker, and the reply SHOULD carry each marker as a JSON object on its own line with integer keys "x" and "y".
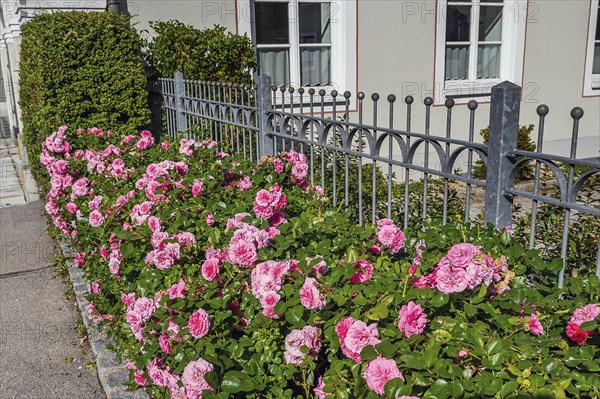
{"x": 315, "y": 66}
{"x": 488, "y": 61}
{"x": 490, "y": 24}
{"x": 315, "y": 23}
{"x": 596, "y": 64}
{"x": 272, "y": 25}
{"x": 276, "y": 64}
{"x": 457, "y": 62}
{"x": 458, "y": 23}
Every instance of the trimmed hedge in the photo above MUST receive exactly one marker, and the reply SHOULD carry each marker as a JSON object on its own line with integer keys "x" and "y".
{"x": 81, "y": 69}
{"x": 209, "y": 54}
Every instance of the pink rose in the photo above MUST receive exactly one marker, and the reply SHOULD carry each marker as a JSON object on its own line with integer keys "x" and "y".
{"x": 354, "y": 336}
{"x": 449, "y": 280}
{"x": 310, "y": 296}
{"x": 193, "y": 378}
{"x": 242, "y": 253}
{"x": 263, "y": 198}
{"x": 210, "y": 219}
{"x": 460, "y": 255}
{"x": 163, "y": 341}
{"x": 177, "y": 290}
{"x": 197, "y": 188}
{"x": 379, "y": 371}
{"x": 364, "y": 272}
{"x": 535, "y": 326}
{"x": 307, "y": 338}
{"x": 412, "y": 319}
{"x": 198, "y": 324}
{"x": 319, "y": 389}
{"x": 210, "y": 269}
{"x": 96, "y": 219}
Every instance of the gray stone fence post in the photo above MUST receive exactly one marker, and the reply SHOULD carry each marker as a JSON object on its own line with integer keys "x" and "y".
{"x": 264, "y": 104}
{"x": 179, "y": 93}
{"x": 504, "y": 131}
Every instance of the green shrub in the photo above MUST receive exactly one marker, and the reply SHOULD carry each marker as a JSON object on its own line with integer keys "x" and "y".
{"x": 79, "y": 69}
{"x": 524, "y": 142}
{"x": 209, "y": 54}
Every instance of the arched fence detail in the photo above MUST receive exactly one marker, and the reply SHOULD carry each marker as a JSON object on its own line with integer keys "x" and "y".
{"x": 364, "y": 157}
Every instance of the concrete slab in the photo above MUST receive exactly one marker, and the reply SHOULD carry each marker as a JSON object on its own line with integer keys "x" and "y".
{"x": 40, "y": 356}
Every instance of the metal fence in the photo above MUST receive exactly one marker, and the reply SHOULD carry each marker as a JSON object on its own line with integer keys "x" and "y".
{"x": 369, "y": 164}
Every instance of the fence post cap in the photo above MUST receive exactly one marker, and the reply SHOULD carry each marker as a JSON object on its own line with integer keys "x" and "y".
{"x": 506, "y": 85}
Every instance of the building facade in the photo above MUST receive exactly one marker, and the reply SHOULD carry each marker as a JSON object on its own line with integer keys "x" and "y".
{"x": 430, "y": 48}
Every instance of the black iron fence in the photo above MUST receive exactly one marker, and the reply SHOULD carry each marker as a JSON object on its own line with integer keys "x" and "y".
{"x": 371, "y": 166}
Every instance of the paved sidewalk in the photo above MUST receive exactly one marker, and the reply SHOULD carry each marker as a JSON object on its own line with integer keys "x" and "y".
{"x": 40, "y": 356}
{"x": 11, "y": 190}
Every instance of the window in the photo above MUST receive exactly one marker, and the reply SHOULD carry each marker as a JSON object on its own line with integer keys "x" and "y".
{"x": 592, "y": 67}
{"x": 294, "y": 48}
{"x": 479, "y": 43}
{"x": 304, "y": 42}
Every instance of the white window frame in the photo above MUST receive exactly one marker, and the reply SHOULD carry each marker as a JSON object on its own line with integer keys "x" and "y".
{"x": 514, "y": 17}
{"x": 343, "y": 44}
{"x": 591, "y": 82}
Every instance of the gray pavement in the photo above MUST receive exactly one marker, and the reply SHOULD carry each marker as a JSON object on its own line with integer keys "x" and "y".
{"x": 40, "y": 355}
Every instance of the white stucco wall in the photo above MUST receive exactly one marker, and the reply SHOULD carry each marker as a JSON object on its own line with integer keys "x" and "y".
{"x": 200, "y": 13}
{"x": 402, "y": 63}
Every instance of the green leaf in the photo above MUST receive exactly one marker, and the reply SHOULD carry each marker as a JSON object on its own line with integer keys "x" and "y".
{"x": 439, "y": 299}
{"x": 294, "y": 315}
{"x": 509, "y": 388}
{"x": 368, "y": 353}
{"x": 378, "y": 312}
{"x": 236, "y": 381}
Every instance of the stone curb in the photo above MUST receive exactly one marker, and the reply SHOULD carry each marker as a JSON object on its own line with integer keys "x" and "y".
{"x": 112, "y": 374}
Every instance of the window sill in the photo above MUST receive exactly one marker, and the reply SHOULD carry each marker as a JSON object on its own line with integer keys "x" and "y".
{"x": 469, "y": 89}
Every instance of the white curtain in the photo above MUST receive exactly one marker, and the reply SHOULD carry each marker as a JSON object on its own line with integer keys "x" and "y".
{"x": 276, "y": 64}
{"x": 315, "y": 66}
{"x": 488, "y": 62}
{"x": 457, "y": 63}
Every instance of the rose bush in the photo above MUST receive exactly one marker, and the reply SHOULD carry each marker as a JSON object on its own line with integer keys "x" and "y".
{"x": 220, "y": 278}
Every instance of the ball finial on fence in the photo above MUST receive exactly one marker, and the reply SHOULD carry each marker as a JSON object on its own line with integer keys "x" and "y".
{"x": 473, "y": 105}
{"x": 449, "y": 103}
{"x": 361, "y": 95}
{"x": 375, "y": 96}
{"x": 391, "y": 98}
{"x": 347, "y": 94}
{"x": 334, "y": 93}
{"x": 577, "y": 113}
{"x": 322, "y": 92}
{"x": 311, "y": 91}
{"x": 409, "y": 99}
{"x": 428, "y": 101}
{"x": 542, "y": 109}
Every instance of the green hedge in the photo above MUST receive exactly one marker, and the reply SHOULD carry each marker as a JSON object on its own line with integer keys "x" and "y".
{"x": 80, "y": 69}
{"x": 209, "y": 54}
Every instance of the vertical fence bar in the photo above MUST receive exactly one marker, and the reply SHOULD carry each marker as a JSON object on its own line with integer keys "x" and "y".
{"x": 264, "y": 105}
{"x": 542, "y": 111}
{"x": 472, "y": 105}
{"x": 449, "y": 104}
{"x": 576, "y": 114}
{"x": 504, "y": 130}
{"x": 428, "y": 101}
{"x": 408, "y": 100}
{"x": 391, "y": 99}
{"x": 179, "y": 93}
{"x": 361, "y": 97}
{"x": 346, "y": 146}
{"x": 334, "y": 94}
{"x": 375, "y": 98}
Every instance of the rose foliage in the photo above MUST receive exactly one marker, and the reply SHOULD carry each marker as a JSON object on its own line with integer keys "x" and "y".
{"x": 220, "y": 278}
